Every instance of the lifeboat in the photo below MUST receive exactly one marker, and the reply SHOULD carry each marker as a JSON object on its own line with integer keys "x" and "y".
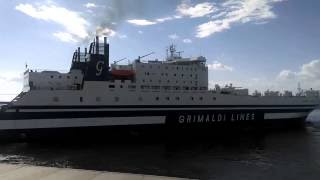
{"x": 121, "y": 73}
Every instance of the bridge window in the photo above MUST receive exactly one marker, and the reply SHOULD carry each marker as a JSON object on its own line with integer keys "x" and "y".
{"x": 111, "y": 86}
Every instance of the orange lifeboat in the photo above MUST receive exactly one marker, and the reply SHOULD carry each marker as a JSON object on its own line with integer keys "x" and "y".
{"x": 121, "y": 73}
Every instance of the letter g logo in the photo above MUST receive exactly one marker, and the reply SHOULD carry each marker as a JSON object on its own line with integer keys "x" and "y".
{"x": 99, "y": 68}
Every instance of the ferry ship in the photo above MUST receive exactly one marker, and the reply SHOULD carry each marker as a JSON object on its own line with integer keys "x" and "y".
{"x": 172, "y": 93}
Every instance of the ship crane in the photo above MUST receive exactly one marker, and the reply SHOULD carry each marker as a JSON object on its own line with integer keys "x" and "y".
{"x": 115, "y": 62}
{"x": 140, "y": 57}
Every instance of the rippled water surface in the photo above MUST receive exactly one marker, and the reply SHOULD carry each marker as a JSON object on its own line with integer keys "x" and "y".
{"x": 290, "y": 154}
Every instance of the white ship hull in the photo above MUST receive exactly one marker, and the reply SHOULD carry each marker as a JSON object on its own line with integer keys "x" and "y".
{"x": 46, "y": 117}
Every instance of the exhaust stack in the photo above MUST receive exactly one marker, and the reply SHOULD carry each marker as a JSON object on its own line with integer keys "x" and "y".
{"x": 106, "y": 52}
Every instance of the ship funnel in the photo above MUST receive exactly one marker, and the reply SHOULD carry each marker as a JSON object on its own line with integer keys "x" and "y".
{"x": 97, "y": 44}
{"x": 106, "y": 51}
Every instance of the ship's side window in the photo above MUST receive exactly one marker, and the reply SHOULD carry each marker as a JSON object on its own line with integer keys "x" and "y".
{"x": 192, "y": 98}
{"x": 121, "y": 86}
{"x": 75, "y": 77}
{"x": 98, "y": 99}
{"x": 68, "y": 77}
{"x": 157, "y": 98}
{"x": 168, "y": 98}
{"x": 214, "y": 98}
{"x": 116, "y": 99}
{"x": 51, "y": 76}
{"x": 111, "y": 86}
{"x": 177, "y": 98}
{"x": 55, "y": 99}
{"x": 81, "y": 99}
{"x": 175, "y": 74}
{"x": 140, "y": 99}
{"x": 59, "y": 77}
{"x": 201, "y": 98}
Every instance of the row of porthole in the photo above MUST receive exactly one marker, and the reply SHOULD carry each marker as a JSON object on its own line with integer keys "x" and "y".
{"x": 195, "y": 69}
{"x": 168, "y": 81}
{"x": 68, "y": 77}
{"x": 98, "y": 99}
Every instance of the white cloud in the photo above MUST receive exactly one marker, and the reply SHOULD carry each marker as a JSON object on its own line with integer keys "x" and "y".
{"x": 308, "y": 76}
{"x": 64, "y": 37}
{"x": 122, "y": 36}
{"x": 237, "y": 11}
{"x": 141, "y": 22}
{"x": 286, "y": 75}
{"x": 184, "y": 9}
{"x": 199, "y": 10}
{"x": 140, "y": 32}
{"x": 173, "y": 36}
{"x": 188, "y": 41}
{"x": 13, "y": 85}
{"x": 219, "y": 66}
{"x": 75, "y": 25}
{"x": 90, "y": 5}
{"x": 309, "y": 72}
{"x": 164, "y": 19}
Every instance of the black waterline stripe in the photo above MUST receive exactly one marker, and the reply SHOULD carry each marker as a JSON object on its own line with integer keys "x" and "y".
{"x": 155, "y": 106}
{"x": 97, "y": 114}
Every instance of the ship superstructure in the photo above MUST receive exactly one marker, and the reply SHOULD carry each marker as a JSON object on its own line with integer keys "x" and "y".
{"x": 173, "y": 92}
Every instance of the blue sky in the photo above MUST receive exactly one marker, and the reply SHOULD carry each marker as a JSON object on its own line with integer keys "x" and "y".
{"x": 259, "y": 44}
